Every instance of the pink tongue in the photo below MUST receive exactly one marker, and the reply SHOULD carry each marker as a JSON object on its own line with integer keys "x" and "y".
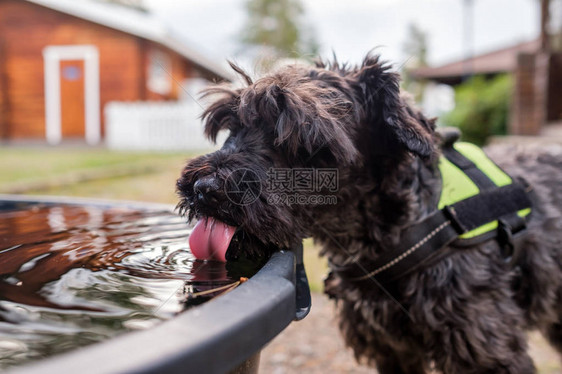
{"x": 210, "y": 239}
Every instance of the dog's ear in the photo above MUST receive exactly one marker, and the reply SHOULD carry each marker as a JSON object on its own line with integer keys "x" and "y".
{"x": 306, "y": 117}
{"x": 385, "y": 108}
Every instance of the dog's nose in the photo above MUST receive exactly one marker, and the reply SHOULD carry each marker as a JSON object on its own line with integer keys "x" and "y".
{"x": 207, "y": 191}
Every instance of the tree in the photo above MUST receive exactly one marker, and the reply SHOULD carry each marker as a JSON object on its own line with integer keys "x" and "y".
{"x": 415, "y": 49}
{"x": 277, "y": 24}
{"x": 416, "y": 45}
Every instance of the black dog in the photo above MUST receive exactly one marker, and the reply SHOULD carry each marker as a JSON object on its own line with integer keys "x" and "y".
{"x": 465, "y": 312}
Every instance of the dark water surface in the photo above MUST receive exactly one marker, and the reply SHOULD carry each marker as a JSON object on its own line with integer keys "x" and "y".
{"x": 75, "y": 275}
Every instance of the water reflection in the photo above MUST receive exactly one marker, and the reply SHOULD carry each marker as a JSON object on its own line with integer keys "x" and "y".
{"x": 74, "y": 275}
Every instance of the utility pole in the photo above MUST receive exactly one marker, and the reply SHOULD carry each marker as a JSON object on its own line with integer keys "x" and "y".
{"x": 468, "y": 31}
{"x": 545, "y": 15}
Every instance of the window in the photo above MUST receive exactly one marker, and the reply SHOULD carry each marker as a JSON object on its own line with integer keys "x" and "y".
{"x": 159, "y": 70}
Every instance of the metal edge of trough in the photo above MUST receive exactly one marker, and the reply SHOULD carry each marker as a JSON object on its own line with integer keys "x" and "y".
{"x": 214, "y": 337}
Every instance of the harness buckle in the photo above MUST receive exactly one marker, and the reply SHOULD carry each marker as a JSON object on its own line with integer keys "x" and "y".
{"x": 449, "y": 135}
{"x": 451, "y": 215}
{"x": 508, "y": 237}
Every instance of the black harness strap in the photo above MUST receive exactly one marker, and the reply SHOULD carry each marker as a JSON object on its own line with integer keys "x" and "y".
{"x": 489, "y": 206}
{"x": 395, "y": 263}
{"x": 469, "y": 168}
{"x": 425, "y": 239}
{"x": 512, "y": 222}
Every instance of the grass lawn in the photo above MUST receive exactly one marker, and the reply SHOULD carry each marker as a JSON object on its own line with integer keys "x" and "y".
{"x": 90, "y": 173}
{"x": 157, "y": 184}
{"x": 25, "y": 164}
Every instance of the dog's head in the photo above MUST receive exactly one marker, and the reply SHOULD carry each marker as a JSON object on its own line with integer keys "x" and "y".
{"x": 294, "y": 137}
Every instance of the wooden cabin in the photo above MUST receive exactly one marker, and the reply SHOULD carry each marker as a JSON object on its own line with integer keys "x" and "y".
{"x": 61, "y": 61}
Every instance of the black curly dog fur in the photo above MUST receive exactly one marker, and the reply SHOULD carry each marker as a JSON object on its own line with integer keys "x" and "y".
{"x": 466, "y": 313}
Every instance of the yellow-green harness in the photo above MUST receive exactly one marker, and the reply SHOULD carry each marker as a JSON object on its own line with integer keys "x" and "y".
{"x": 478, "y": 202}
{"x": 457, "y": 186}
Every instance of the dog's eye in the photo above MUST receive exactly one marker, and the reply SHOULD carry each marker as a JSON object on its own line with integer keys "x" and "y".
{"x": 229, "y": 142}
{"x": 232, "y": 142}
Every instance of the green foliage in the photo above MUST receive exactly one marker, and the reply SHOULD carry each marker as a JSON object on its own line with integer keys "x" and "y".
{"x": 277, "y": 24}
{"x": 481, "y": 108}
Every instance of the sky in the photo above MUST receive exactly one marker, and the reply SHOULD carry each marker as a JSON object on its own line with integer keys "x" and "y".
{"x": 351, "y": 28}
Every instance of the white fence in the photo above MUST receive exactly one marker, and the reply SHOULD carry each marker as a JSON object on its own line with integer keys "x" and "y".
{"x": 162, "y": 126}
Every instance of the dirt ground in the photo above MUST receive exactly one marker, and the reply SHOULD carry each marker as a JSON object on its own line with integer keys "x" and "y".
{"x": 314, "y": 346}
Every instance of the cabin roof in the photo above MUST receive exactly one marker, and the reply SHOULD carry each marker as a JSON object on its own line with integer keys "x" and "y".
{"x": 134, "y": 22}
{"x": 498, "y": 61}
